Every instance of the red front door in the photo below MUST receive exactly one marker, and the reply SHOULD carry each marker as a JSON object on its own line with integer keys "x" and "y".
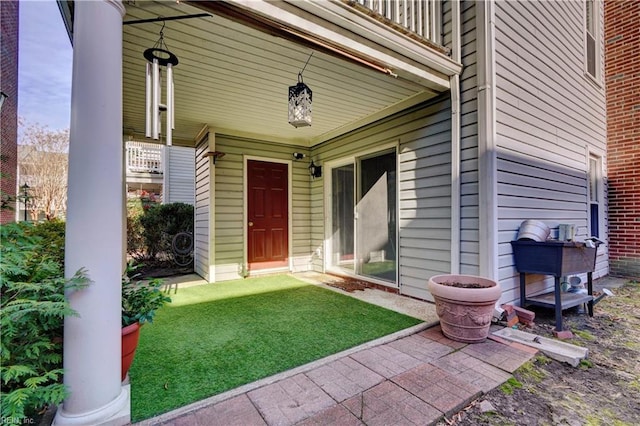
{"x": 268, "y": 214}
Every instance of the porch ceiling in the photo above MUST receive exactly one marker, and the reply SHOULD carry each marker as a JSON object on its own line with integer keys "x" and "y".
{"x": 235, "y": 79}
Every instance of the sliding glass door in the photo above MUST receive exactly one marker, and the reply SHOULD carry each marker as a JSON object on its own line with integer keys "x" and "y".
{"x": 343, "y": 223}
{"x": 363, "y": 218}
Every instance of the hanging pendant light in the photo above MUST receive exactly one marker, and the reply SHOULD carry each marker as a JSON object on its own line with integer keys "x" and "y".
{"x": 159, "y": 57}
{"x": 300, "y": 104}
{"x": 300, "y": 97}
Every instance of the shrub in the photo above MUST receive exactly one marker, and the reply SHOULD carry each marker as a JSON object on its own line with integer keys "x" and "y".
{"x": 161, "y": 222}
{"x": 33, "y": 307}
{"x": 135, "y": 230}
{"x": 52, "y": 233}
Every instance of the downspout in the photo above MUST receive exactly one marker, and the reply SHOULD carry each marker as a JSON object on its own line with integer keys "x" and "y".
{"x": 487, "y": 169}
{"x": 455, "y": 139}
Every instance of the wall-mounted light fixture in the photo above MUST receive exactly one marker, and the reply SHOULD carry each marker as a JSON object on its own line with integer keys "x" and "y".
{"x": 300, "y": 101}
{"x": 298, "y": 156}
{"x": 315, "y": 171}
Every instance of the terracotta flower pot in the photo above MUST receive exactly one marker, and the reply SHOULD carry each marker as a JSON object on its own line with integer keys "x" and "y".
{"x": 130, "y": 335}
{"x": 464, "y": 304}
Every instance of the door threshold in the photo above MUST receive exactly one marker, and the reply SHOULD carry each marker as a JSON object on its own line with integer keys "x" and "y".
{"x": 356, "y": 280}
{"x": 268, "y": 271}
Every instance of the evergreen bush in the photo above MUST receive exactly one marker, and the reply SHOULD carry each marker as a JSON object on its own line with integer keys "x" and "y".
{"x": 33, "y": 307}
{"x": 161, "y": 222}
{"x": 135, "y": 231}
{"x": 52, "y": 233}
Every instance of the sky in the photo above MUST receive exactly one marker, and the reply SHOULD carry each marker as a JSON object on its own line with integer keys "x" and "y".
{"x": 44, "y": 65}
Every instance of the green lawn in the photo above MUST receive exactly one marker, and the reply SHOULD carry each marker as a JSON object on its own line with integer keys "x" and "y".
{"x": 216, "y": 337}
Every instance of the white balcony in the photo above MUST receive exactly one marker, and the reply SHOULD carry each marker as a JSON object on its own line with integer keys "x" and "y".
{"x": 421, "y": 17}
{"x": 144, "y": 157}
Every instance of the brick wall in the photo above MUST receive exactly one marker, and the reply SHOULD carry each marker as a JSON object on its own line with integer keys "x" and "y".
{"x": 9, "y": 113}
{"x": 622, "y": 71}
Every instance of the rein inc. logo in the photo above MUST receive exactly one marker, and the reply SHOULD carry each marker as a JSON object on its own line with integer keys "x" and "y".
{"x": 17, "y": 420}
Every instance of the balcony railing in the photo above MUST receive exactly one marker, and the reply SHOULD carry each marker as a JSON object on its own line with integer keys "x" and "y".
{"x": 144, "y": 157}
{"x": 421, "y": 17}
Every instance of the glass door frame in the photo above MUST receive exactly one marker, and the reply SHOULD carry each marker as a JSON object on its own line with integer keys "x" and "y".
{"x": 328, "y": 206}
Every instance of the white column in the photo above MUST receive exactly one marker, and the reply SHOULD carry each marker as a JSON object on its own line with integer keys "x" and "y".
{"x": 92, "y": 341}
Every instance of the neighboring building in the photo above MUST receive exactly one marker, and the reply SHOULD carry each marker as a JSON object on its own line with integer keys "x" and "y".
{"x": 144, "y": 169}
{"x": 622, "y": 59}
{"x": 149, "y": 178}
{"x": 9, "y": 21}
{"x": 45, "y": 174}
{"x": 439, "y": 125}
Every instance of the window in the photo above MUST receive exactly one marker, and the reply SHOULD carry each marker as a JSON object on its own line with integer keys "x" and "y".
{"x": 592, "y": 46}
{"x": 595, "y": 179}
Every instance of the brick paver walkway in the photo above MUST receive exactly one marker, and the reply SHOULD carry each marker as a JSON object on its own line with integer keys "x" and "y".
{"x": 414, "y": 380}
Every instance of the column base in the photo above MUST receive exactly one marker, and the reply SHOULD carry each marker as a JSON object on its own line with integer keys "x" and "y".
{"x": 115, "y": 413}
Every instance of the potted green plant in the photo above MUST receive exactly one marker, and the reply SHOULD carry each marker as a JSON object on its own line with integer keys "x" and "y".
{"x": 140, "y": 301}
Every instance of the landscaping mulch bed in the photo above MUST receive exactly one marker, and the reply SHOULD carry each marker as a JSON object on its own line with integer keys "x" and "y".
{"x": 162, "y": 269}
{"x": 347, "y": 284}
{"x": 603, "y": 390}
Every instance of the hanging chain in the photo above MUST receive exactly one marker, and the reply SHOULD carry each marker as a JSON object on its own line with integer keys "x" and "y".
{"x": 160, "y": 44}
{"x": 305, "y": 65}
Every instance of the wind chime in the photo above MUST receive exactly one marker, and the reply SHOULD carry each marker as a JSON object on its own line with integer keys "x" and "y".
{"x": 159, "y": 57}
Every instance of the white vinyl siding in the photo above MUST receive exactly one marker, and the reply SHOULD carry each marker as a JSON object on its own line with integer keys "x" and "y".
{"x": 425, "y": 200}
{"x": 546, "y": 115}
{"x": 229, "y": 217}
{"x": 424, "y": 158}
{"x": 202, "y": 209}
{"x": 181, "y": 188}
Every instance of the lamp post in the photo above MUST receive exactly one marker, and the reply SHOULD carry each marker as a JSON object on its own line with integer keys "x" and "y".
{"x": 25, "y": 198}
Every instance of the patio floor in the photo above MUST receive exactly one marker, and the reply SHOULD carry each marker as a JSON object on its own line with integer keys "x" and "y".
{"x": 413, "y": 377}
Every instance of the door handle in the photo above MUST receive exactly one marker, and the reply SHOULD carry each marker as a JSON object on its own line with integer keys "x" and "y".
{"x": 250, "y": 223}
